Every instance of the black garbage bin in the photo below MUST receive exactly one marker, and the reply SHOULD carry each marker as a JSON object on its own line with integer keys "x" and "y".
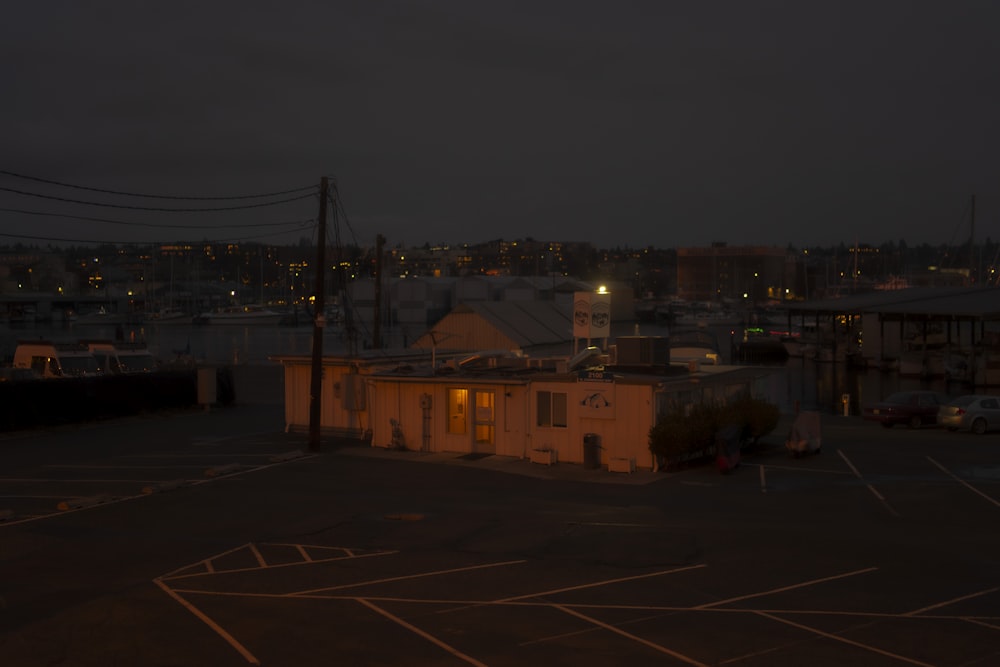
{"x": 591, "y": 450}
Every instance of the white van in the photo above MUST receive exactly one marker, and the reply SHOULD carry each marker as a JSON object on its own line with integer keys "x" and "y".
{"x": 55, "y": 360}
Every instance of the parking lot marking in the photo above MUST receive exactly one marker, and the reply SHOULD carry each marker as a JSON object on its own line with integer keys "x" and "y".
{"x": 580, "y": 609}
{"x": 260, "y": 558}
{"x": 843, "y": 640}
{"x": 871, "y": 488}
{"x": 426, "y": 635}
{"x": 981, "y": 622}
{"x": 628, "y": 635}
{"x": 242, "y": 650}
{"x": 963, "y": 482}
{"x": 801, "y": 584}
{"x": 952, "y": 601}
{"x": 803, "y": 469}
{"x": 407, "y": 576}
{"x": 210, "y": 568}
{"x": 602, "y": 583}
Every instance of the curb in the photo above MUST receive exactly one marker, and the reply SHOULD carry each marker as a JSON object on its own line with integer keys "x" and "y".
{"x": 164, "y": 486}
{"x": 80, "y": 503}
{"x": 219, "y": 471}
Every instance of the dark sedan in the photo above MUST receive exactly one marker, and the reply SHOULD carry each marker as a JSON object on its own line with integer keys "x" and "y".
{"x": 912, "y": 408}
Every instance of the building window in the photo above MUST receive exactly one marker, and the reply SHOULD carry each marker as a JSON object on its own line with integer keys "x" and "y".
{"x": 457, "y": 413}
{"x": 551, "y": 409}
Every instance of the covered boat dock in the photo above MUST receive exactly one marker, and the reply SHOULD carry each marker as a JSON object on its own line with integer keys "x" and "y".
{"x": 951, "y": 332}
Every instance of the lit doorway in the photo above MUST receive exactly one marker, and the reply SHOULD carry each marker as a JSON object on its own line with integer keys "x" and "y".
{"x": 484, "y": 421}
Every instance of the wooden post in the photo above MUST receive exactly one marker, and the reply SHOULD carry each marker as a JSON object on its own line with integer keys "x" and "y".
{"x": 319, "y": 312}
{"x": 377, "y": 315}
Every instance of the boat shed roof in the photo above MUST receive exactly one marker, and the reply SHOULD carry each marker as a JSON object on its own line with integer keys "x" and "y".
{"x": 485, "y": 325}
{"x": 980, "y": 303}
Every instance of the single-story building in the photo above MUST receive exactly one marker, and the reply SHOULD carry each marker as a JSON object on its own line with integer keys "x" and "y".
{"x": 505, "y": 403}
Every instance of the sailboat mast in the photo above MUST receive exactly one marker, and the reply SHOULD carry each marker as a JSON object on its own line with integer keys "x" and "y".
{"x": 972, "y": 236}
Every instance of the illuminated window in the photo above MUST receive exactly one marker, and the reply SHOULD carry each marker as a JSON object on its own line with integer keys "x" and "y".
{"x": 551, "y": 409}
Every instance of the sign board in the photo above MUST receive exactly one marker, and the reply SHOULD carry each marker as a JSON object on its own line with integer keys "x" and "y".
{"x": 595, "y": 376}
{"x": 591, "y": 315}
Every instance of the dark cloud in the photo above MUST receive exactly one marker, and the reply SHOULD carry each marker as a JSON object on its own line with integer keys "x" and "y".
{"x": 632, "y": 123}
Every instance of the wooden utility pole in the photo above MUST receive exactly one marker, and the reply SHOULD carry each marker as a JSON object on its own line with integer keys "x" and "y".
{"x": 319, "y": 321}
{"x": 377, "y": 323}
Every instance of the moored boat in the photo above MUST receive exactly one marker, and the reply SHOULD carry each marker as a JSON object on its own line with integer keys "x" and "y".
{"x": 249, "y": 313}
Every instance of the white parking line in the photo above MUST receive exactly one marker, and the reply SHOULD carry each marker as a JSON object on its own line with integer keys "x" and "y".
{"x": 870, "y": 487}
{"x": 426, "y": 635}
{"x": 963, "y": 482}
{"x": 405, "y": 577}
{"x": 242, "y": 650}
{"x": 843, "y": 640}
{"x": 952, "y": 601}
{"x": 602, "y": 583}
{"x": 803, "y": 584}
{"x": 628, "y": 635}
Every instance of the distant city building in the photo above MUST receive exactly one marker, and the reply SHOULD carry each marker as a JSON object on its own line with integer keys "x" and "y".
{"x": 722, "y": 272}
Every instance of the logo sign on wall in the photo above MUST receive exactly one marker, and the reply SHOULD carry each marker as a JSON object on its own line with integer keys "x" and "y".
{"x": 600, "y": 316}
{"x": 581, "y": 315}
{"x": 591, "y": 315}
{"x": 596, "y": 401}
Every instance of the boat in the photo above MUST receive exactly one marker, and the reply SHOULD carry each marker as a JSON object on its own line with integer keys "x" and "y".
{"x": 169, "y": 316}
{"x": 697, "y": 343}
{"x": 249, "y": 313}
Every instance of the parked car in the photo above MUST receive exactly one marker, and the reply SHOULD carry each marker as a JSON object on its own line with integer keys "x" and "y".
{"x": 913, "y": 408}
{"x": 973, "y": 412}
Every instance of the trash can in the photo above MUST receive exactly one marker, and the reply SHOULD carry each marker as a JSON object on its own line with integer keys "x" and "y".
{"x": 591, "y": 450}
{"x": 727, "y": 448}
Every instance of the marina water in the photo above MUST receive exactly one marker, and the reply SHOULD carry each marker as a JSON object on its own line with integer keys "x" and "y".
{"x": 809, "y": 384}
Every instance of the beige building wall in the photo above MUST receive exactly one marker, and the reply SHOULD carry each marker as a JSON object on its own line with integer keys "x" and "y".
{"x": 620, "y": 414}
{"x": 427, "y": 421}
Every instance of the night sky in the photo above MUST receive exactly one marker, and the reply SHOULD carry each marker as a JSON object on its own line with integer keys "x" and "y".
{"x": 620, "y": 123}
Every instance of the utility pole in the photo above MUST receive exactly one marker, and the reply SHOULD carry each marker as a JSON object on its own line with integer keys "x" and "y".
{"x": 319, "y": 321}
{"x": 377, "y": 324}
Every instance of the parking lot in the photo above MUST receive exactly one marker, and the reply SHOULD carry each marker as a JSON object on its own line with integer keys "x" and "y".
{"x": 215, "y": 539}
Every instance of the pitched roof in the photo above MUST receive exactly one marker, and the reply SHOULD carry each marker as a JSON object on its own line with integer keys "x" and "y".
{"x": 506, "y": 325}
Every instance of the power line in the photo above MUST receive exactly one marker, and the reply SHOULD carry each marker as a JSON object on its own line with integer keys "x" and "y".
{"x": 155, "y": 208}
{"x": 153, "y": 196}
{"x": 56, "y": 239}
{"x": 154, "y": 225}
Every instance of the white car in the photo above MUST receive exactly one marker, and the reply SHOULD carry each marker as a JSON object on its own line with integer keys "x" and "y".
{"x": 972, "y": 412}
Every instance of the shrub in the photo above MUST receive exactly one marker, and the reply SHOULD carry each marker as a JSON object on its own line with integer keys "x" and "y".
{"x": 758, "y": 418}
{"x": 683, "y": 431}
{"x": 688, "y": 431}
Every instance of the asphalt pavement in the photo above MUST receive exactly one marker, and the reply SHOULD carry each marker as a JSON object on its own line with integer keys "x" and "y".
{"x": 216, "y": 538}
